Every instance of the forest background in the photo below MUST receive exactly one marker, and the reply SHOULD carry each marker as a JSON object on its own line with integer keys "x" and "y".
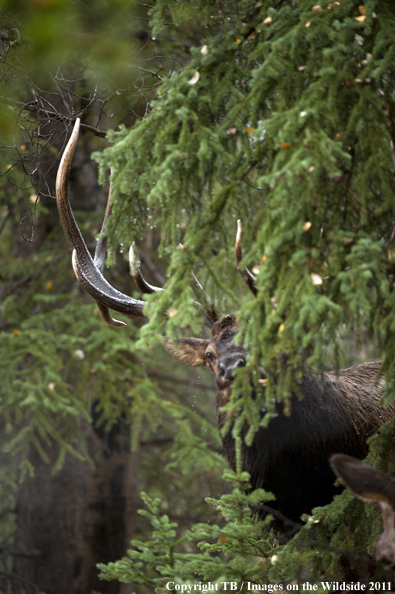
{"x": 279, "y": 113}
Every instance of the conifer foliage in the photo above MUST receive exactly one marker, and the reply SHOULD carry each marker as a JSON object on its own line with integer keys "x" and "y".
{"x": 161, "y": 563}
{"x": 284, "y": 117}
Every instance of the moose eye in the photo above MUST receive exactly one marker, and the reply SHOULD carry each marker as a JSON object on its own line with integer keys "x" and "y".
{"x": 209, "y": 355}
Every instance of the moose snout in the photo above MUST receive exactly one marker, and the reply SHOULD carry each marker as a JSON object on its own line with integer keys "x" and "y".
{"x": 226, "y": 370}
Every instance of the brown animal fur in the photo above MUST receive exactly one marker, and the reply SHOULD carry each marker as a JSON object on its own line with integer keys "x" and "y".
{"x": 337, "y": 413}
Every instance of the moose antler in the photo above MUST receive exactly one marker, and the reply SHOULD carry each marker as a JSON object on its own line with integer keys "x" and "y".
{"x": 135, "y": 270}
{"x": 88, "y": 270}
{"x": 245, "y": 274}
{"x": 210, "y": 312}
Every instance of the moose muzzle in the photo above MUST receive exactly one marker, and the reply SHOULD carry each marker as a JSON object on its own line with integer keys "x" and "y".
{"x": 226, "y": 369}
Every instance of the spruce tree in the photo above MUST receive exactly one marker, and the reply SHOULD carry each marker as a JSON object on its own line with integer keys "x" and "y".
{"x": 283, "y": 118}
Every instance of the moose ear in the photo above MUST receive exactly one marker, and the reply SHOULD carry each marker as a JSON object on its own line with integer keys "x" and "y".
{"x": 188, "y": 351}
{"x": 365, "y": 482}
{"x": 371, "y": 484}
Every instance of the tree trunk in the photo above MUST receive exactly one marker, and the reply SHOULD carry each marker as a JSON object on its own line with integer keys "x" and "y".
{"x": 81, "y": 516}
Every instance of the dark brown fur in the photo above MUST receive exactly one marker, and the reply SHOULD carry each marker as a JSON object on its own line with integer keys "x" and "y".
{"x": 337, "y": 413}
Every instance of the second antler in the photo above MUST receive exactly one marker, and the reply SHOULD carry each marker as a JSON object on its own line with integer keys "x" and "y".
{"x": 245, "y": 274}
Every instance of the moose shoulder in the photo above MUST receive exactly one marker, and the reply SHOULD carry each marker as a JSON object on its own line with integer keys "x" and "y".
{"x": 337, "y": 413}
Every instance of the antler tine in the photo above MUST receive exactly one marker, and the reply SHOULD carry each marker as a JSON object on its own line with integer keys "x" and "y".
{"x": 135, "y": 271}
{"x": 101, "y": 245}
{"x": 134, "y": 261}
{"x": 245, "y": 274}
{"x": 209, "y": 308}
{"x": 88, "y": 271}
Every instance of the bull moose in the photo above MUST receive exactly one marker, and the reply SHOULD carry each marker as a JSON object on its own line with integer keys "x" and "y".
{"x": 289, "y": 457}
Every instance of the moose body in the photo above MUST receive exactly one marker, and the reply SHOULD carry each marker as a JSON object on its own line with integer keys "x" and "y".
{"x": 337, "y": 413}
{"x": 290, "y": 457}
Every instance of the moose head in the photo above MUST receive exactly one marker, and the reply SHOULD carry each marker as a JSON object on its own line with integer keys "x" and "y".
{"x": 220, "y": 354}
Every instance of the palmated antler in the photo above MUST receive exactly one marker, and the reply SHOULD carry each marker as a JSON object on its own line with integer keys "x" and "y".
{"x": 88, "y": 270}
{"x": 245, "y": 274}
